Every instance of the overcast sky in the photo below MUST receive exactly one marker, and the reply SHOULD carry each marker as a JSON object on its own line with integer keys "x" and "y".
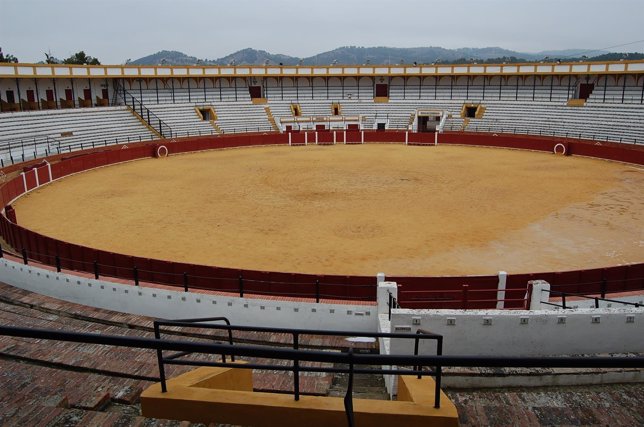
{"x": 115, "y": 30}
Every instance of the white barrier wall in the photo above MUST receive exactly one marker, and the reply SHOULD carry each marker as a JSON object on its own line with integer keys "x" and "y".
{"x": 170, "y": 304}
{"x": 525, "y": 333}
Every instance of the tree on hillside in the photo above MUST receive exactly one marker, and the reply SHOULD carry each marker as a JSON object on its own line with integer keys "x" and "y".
{"x": 7, "y": 58}
{"x": 81, "y": 58}
{"x": 50, "y": 59}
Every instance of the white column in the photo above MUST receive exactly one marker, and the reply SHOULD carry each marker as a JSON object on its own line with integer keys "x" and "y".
{"x": 24, "y": 181}
{"x": 435, "y": 138}
{"x": 333, "y": 137}
{"x": 540, "y": 292}
{"x": 380, "y": 277}
{"x": 500, "y": 293}
{"x": 289, "y": 138}
{"x": 306, "y": 138}
{"x": 406, "y": 138}
{"x": 51, "y": 178}
{"x": 384, "y": 289}
{"x": 316, "y": 137}
{"x": 362, "y": 137}
{"x": 345, "y": 136}
{"x": 36, "y": 175}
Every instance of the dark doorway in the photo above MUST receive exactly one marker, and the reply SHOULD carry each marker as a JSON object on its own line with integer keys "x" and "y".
{"x": 336, "y": 110}
{"x": 382, "y": 90}
{"x": 87, "y": 94}
{"x": 470, "y": 112}
{"x": 105, "y": 94}
{"x": 255, "y": 92}
{"x": 31, "y": 96}
{"x": 11, "y": 98}
{"x": 50, "y": 95}
{"x": 69, "y": 96}
{"x": 422, "y": 123}
{"x": 585, "y": 89}
{"x": 381, "y": 126}
{"x": 320, "y": 127}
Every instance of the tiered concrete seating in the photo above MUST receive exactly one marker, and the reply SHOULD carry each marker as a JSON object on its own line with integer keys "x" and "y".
{"x": 617, "y": 95}
{"x": 194, "y": 95}
{"x": 622, "y": 123}
{"x": 244, "y": 116}
{"x": 183, "y": 118}
{"x": 64, "y": 130}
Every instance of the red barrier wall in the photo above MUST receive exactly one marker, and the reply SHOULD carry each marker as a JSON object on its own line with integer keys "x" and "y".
{"x": 415, "y": 292}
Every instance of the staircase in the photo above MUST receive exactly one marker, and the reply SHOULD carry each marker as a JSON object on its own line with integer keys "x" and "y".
{"x": 147, "y": 117}
{"x": 412, "y": 117}
{"x": 271, "y": 118}
{"x": 365, "y": 386}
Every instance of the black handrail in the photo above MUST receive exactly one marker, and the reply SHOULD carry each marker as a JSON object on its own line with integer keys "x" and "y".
{"x": 147, "y": 115}
{"x": 595, "y": 298}
{"x": 350, "y": 359}
{"x": 186, "y": 323}
{"x": 438, "y": 369}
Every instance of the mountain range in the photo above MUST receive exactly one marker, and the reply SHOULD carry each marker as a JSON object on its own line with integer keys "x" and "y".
{"x": 378, "y": 55}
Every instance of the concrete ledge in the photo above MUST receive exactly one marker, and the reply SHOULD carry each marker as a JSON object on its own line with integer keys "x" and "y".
{"x": 224, "y": 395}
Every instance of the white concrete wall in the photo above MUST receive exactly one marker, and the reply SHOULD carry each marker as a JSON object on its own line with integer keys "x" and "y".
{"x": 170, "y": 304}
{"x": 525, "y": 333}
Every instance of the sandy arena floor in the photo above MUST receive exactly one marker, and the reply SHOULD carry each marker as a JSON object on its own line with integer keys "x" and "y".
{"x": 355, "y": 210}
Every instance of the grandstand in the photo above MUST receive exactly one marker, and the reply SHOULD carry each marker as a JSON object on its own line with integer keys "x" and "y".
{"x": 585, "y": 109}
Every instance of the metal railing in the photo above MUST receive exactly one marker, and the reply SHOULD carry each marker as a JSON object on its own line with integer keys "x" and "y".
{"x": 146, "y": 115}
{"x": 464, "y": 298}
{"x": 564, "y": 305}
{"x": 515, "y": 130}
{"x": 392, "y": 303}
{"x": 349, "y": 358}
{"x": 238, "y": 285}
{"x": 295, "y": 334}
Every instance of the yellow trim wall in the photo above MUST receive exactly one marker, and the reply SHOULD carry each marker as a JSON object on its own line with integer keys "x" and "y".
{"x": 224, "y": 395}
{"x": 24, "y": 70}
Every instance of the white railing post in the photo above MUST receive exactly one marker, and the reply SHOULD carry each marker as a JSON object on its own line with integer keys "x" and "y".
{"x": 540, "y": 292}
{"x": 500, "y": 293}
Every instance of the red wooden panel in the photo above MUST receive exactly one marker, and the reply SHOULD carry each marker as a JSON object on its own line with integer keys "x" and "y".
{"x": 43, "y": 175}
{"x": 325, "y": 137}
{"x": 297, "y": 138}
{"x": 353, "y": 136}
{"x": 57, "y": 170}
{"x": 30, "y": 178}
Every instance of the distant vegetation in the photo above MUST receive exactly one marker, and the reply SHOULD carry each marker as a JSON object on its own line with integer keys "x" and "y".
{"x": 352, "y": 55}
{"x": 7, "y": 58}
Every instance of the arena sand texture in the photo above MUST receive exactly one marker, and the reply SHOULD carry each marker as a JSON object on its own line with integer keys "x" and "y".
{"x": 402, "y": 210}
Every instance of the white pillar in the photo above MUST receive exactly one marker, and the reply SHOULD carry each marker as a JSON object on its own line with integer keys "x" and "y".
{"x": 540, "y": 292}
{"x": 384, "y": 289}
{"x": 316, "y": 137}
{"x": 36, "y": 175}
{"x": 51, "y": 178}
{"x": 362, "y": 137}
{"x": 406, "y": 138}
{"x": 24, "y": 181}
{"x": 500, "y": 293}
{"x": 380, "y": 277}
{"x": 435, "y": 138}
{"x": 333, "y": 137}
{"x": 345, "y": 136}
{"x": 289, "y": 138}
{"x": 306, "y": 138}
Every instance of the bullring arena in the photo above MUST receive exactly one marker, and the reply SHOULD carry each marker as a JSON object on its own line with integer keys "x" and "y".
{"x": 475, "y": 229}
{"x": 354, "y": 210}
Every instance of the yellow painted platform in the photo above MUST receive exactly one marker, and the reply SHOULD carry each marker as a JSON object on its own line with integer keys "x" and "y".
{"x": 224, "y": 395}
